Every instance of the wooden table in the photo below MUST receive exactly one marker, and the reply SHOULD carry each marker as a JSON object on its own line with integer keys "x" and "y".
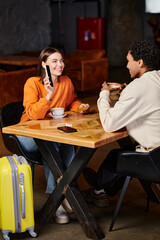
{"x": 90, "y": 136}
{"x": 18, "y": 60}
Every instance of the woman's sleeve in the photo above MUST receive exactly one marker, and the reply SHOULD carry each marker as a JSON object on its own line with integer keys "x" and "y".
{"x": 35, "y": 107}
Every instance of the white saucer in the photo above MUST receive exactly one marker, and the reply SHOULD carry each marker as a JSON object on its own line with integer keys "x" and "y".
{"x": 58, "y": 116}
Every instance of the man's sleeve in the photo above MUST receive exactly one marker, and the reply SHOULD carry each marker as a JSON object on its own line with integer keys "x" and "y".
{"x": 123, "y": 113}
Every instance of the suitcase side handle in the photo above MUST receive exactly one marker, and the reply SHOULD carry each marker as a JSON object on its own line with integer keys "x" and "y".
{"x": 21, "y": 181}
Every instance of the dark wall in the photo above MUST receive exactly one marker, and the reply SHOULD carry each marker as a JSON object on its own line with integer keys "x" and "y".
{"x": 24, "y": 25}
{"x": 124, "y": 27}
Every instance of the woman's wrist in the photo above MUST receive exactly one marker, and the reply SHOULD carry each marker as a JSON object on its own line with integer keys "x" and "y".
{"x": 48, "y": 97}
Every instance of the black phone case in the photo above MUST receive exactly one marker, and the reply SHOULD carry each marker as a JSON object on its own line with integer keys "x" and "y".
{"x": 67, "y": 129}
{"x": 49, "y": 75}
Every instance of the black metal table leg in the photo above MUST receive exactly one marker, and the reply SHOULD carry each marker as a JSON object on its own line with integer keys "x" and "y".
{"x": 66, "y": 187}
{"x": 86, "y": 219}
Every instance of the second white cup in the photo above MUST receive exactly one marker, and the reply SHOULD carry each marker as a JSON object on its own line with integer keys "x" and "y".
{"x": 57, "y": 111}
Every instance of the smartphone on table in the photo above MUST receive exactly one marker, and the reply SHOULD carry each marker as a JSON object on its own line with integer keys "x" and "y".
{"x": 67, "y": 129}
{"x": 49, "y": 75}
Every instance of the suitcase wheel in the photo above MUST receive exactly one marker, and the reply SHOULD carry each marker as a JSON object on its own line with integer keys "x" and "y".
{"x": 6, "y": 237}
{"x": 32, "y": 233}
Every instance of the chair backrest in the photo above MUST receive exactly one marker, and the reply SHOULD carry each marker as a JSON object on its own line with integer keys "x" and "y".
{"x": 80, "y": 55}
{"x": 143, "y": 165}
{"x": 12, "y": 85}
{"x": 2, "y": 70}
{"x": 11, "y": 113}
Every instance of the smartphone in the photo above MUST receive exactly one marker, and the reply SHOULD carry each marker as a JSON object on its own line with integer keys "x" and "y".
{"x": 67, "y": 129}
{"x": 49, "y": 75}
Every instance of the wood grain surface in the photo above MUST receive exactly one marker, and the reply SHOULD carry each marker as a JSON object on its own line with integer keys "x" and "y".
{"x": 89, "y": 130}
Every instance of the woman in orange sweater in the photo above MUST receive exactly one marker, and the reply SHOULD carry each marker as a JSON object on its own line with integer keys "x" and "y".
{"x": 39, "y": 98}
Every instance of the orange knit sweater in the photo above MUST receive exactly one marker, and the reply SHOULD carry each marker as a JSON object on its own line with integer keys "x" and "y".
{"x": 37, "y": 106}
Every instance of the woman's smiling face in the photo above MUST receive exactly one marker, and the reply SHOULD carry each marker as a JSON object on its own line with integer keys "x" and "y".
{"x": 56, "y": 64}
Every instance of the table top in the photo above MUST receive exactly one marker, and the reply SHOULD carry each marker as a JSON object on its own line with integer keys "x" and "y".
{"x": 89, "y": 133}
{"x": 18, "y": 60}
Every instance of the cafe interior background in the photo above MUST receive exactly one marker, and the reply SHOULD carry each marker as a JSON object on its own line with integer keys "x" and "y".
{"x": 32, "y": 25}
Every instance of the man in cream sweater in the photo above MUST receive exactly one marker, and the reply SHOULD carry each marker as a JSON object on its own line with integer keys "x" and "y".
{"x": 138, "y": 109}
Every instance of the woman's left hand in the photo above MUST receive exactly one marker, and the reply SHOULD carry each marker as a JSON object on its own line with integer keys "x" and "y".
{"x": 83, "y": 108}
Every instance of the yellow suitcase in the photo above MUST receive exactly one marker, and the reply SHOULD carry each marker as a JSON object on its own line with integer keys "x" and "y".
{"x": 16, "y": 196}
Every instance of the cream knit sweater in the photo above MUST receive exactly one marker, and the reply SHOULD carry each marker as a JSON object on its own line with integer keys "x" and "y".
{"x": 138, "y": 109}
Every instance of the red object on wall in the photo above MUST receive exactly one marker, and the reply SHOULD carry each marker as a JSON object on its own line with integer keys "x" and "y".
{"x": 91, "y": 32}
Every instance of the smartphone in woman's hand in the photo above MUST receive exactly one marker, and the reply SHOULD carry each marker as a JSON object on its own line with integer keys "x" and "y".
{"x": 49, "y": 75}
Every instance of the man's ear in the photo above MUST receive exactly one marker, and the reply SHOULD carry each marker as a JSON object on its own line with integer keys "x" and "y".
{"x": 141, "y": 63}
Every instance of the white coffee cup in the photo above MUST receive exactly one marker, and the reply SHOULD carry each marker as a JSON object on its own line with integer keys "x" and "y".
{"x": 114, "y": 86}
{"x": 57, "y": 111}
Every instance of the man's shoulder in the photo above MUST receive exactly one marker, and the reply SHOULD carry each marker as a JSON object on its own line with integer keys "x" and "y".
{"x": 153, "y": 73}
{"x": 145, "y": 80}
{"x": 150, "y": 77}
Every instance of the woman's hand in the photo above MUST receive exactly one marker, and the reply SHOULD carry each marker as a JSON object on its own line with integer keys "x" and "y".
{"x": 83, "y": 108}
{"x": 49, "y": 88}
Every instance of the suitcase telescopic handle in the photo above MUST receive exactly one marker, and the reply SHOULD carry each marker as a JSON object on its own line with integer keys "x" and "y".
{"x": 21, "y": 181}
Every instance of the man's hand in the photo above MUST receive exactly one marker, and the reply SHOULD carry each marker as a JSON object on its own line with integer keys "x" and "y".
{"x": 112, "y": 86}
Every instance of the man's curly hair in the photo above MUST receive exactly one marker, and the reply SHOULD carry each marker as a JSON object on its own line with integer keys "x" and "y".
{"x": 146, "y": 51}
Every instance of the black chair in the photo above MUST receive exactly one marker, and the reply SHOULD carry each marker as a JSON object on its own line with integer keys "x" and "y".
{"x": 10, "y": 114}
{"x": 141, "y": 165}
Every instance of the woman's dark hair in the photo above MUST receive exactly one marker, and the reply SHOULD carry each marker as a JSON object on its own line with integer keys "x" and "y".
{"x": 146, "y": 51}
{"x": 43, "y": 58}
